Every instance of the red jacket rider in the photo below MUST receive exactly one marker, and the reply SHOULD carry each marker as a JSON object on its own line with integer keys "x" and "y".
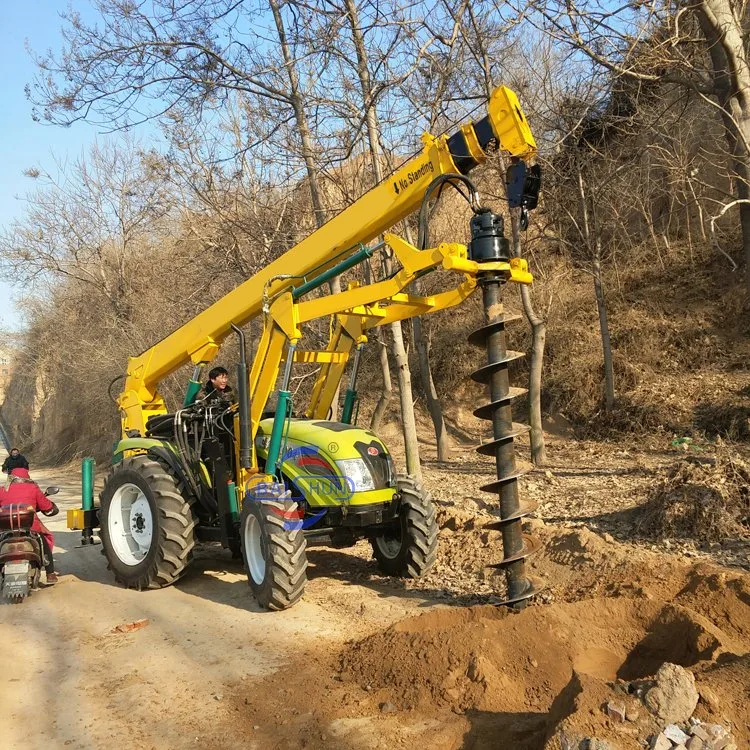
{"x": 25, "y": 491}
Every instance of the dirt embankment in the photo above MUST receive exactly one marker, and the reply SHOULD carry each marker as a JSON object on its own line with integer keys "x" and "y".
{"x": 486, "y": 677}
{"x": 620, "y": 602}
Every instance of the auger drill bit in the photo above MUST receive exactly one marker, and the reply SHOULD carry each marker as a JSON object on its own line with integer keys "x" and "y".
{"x": 489, "y": 245}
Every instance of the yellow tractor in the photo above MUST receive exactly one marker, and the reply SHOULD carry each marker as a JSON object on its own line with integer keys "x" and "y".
{"x": 265, "y": 485}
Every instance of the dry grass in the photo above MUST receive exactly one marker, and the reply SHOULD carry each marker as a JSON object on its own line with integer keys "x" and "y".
{"x": 703, "y": 499}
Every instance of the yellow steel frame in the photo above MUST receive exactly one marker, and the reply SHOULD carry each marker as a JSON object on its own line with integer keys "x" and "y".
{"x": 357, "y": 310}
{"x": 354, "y": 311}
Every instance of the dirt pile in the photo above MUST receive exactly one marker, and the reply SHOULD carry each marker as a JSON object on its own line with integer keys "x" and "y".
{"x": 555, "y": 668}
{"x": 705, "y": 499}
{"x": 568, "y": 667}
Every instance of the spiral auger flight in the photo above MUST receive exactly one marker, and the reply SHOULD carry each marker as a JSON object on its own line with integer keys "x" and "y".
{"x": 517, "y": 546}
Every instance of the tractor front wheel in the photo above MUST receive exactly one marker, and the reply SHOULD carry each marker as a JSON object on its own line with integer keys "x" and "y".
{"x": 409, "y": 549}
{"x": 274, "y": 548}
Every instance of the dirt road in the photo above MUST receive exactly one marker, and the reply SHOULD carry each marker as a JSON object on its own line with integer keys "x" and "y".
{"x": 212, "y": 670}
{"x": 75, "y": 683}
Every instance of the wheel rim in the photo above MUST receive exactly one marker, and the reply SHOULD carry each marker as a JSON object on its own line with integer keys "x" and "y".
{"x": 130, "y": 524}
{"x": 254, "y": 553}
{"x": 389, "y": 545}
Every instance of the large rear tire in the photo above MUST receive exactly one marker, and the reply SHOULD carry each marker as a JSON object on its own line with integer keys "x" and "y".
{"x": 147, "y": 526}
{"x": 409, "y": 550}
{"x": 274, "y": 548}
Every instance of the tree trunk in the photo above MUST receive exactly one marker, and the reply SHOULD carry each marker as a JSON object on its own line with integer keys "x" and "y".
{"x": 609, "y": 370}
{"x": 387, "y": 392}
{"x": 538, "y": 339}
{"x": 300, "y": 116}
{"x": 385, "y": 370}
{"x": 725, "y": 37}
{"x": 594, "y": 244}
{"x": 408, "y": 421}
{"x": 400, "y": 357}
{"x": 422, "y": 345}
{"x": 742, "y": 180}
{"x": 308, "y": 150}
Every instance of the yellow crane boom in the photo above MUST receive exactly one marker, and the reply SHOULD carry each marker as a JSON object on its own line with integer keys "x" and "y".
{"x": 375, "y": 212}
{"x": 262, "y": 485}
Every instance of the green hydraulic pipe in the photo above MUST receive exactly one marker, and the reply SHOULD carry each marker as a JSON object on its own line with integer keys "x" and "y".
{"x": 233, "y": 506}
{"x": 87, "y": 483}
{"x": 193, "y": 390}
{"x": 274, "y": 445}
{"x": 350, "y": 398}
{"x": 337, "y": 270}
{"x": 283, "y": 409}
{"x": 194, "y": 387}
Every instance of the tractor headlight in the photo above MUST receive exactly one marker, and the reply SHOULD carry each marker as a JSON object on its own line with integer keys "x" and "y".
{"x": 356, "y": 474}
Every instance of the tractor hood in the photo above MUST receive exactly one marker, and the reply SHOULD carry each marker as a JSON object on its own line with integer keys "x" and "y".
{"x": 332, "y": 463}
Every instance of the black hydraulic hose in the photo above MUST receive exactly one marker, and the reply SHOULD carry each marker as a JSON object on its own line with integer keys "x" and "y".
{"x": 452, "y": 179}
{"x": 183, "y": 448}
{"x": 112, "y": 382}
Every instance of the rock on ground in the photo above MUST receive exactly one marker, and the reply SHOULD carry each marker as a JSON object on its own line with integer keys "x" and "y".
{"x": 673, "y": 697}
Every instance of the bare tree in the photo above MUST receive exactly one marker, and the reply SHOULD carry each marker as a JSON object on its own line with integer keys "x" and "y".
{"x": 235, "y": 203}
{"x": 89, "y": 222}
{"x": 480, "y": 34}
{"x": 398, "y": 348}
{"x": 699, "y": 46}
{"x": 591, "y": 236}
{"x": 183, "y": 64}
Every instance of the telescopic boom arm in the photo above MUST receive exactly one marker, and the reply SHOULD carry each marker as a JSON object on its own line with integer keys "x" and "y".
{"x": 373, "y": 214}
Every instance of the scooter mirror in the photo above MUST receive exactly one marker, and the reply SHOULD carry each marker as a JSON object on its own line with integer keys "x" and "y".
{"x": 51, "y": 491}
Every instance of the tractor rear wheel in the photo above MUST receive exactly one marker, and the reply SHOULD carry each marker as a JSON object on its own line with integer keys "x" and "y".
{"x": 274, "y": 548}
{"x": 410, "y": 548}
{"x": 147, "y": 526}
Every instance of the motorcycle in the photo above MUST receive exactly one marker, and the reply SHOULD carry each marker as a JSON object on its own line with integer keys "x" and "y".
{"x": 22, "y": 552}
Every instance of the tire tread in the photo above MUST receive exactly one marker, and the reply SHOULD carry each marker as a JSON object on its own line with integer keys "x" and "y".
{"x": 419, "y": 553}
{"x": 176, "y": 525}
{"x": 286, "y": 565}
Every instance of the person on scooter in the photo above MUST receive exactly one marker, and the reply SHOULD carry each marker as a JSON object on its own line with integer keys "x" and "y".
{"x": 24, "y": 490}
{"x": 14, "y": 460}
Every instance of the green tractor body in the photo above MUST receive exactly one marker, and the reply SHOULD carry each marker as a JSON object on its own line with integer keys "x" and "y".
{"x": 334, "y": 484}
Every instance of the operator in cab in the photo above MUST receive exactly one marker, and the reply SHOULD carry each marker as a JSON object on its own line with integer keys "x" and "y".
{"x": 217, "y": 389}
{"x": 24, "y": 490}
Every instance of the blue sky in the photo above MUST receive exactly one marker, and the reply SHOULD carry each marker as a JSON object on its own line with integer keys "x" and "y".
{"x": 24, "y": 143}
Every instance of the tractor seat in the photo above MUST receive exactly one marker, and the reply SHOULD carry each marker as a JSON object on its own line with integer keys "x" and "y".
{"x": 160, "y": 425}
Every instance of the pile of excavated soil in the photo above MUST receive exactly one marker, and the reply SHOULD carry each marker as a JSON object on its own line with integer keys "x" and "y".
{"x": 525, "y": 674}
{"x": 483, "y": 676}
{"x": 489, "y": 659}
{"x": 704, "y": 499}
{"x": 614, "y": 610}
